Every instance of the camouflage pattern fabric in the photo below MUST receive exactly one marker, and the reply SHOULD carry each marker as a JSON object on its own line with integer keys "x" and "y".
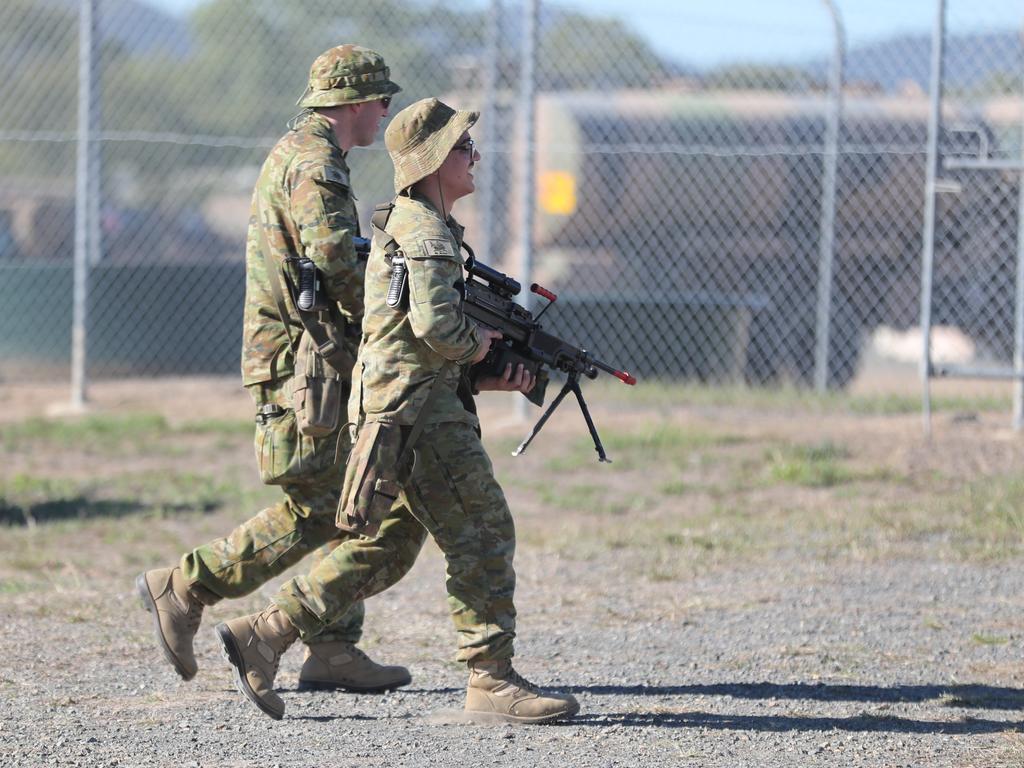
{"x": 454, "y": 495}
{"x": 347, "y": 74}
{"x": 279, "y": 536}
{"x": 305, "y": 206}
{"x": 303, "y": 201}
{"x": 452, "y": 491}
{"x": 403, "y": 351}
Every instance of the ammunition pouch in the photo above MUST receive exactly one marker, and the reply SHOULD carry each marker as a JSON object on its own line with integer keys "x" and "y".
{"x": 318, "y": 391}
{"x": 286, "y": 455}
{"x": 378, "y": 468}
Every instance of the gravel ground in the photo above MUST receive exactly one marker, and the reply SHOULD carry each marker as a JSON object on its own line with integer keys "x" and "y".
{"x": 904, "y": 656}
{"x": 799, "y": 664}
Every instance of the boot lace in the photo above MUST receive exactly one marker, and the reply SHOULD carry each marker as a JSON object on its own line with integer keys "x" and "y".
{"x": 521, "y": 682}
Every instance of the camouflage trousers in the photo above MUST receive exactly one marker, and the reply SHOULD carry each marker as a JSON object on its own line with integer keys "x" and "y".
{"x": 309, "y": 472}
{"x": 454, "y": 496}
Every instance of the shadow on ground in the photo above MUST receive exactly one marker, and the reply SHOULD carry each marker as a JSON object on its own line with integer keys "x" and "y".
{"x": 80, "y": 508}
{"x": 967, "y": 696}
{"x": 864, "y": 722}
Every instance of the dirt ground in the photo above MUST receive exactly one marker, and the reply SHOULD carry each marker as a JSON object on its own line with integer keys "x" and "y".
{"x": 757, "y": 579}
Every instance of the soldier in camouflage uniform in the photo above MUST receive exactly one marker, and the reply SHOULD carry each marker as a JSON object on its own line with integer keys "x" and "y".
{"x": 426, "y": 342}
{"x": 304, "y": 205}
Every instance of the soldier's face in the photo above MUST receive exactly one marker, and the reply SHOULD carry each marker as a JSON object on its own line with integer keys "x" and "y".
{"x": 367, "y": 122}
{"x": 456, "y": 172}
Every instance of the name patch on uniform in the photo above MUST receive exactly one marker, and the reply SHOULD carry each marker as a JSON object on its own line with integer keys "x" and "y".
{"x": 438, "y": 248}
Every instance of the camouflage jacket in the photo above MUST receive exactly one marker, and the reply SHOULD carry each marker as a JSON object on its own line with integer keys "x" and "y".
{"x": 303, "y": 201}
{"x": 405, "y": 348}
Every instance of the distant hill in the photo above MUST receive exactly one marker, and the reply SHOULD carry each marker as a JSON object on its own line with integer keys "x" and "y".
{"x": 971, "y": 61}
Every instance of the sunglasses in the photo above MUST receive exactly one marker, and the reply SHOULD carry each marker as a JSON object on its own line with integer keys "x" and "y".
{"x": 467, "y": 146}
{"x": 386, "y": 101}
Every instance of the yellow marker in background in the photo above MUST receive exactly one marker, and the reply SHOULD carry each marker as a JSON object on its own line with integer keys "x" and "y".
{"x": 557, "y": 192}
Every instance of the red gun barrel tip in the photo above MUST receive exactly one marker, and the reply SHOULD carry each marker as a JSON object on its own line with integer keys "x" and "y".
{"x": 625, "y": 378}
{"x": 542, "y": 291}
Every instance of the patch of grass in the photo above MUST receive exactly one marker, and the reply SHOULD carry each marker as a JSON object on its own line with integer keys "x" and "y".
{"x": 642, "y": 446}
{"x": 982, "y": 638}
{"x": 225, "y": 427}
{"x": 14, "y": 587}
{"x": 95, "y": 431}
{"x": 674, "y": 488}
{"x": 811, "y": 466}
{"x": 989, "y": 517}
{"x": 786, "y": 397}
{"x": 583, "y": 497}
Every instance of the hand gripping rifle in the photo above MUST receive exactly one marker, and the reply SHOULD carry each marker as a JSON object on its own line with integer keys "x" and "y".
{"x": 490, "y": 302}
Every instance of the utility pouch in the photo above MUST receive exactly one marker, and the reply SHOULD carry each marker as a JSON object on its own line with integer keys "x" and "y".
{"x": 318, "y": 391}
{"x": 284, "y": 454}
{"x": 373, "y": 477}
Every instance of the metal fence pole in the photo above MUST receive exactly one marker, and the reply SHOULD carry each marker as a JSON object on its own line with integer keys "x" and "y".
{"x": 527, "y": 105}
{"x": 85, "y": 168}
{"x": 492, "y": 54}
{"x": 1018, "y": 306}
{"x": 828, "y": 201}
{"x": 928, "y": 232}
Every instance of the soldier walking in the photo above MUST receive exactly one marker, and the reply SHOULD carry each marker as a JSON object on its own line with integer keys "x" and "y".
{"x": 303, "y": 216}
{"x": 411, "y": 387}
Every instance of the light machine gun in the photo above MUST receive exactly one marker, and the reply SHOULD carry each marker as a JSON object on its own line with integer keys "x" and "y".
{"x": 490, "y": 302}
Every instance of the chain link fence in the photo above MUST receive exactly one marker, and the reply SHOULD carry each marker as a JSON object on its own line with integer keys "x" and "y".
{"x": 681, "y": 213}
{"x": 974, "y": 258}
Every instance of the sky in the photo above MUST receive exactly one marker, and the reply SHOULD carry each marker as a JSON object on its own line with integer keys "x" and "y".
{"x": 708, "y": 32}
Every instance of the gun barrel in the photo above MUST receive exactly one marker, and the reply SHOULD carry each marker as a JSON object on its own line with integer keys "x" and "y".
{"x": 622, "y": 376}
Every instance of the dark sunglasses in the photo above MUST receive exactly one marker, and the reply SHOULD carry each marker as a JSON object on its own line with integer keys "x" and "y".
{"x": 386, "y": 101}
{"x": 467, "y": 146}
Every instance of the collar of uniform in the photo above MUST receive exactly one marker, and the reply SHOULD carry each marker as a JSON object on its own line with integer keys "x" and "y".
{"x": 316, "y": 124}
{"x": 418, "y": 204}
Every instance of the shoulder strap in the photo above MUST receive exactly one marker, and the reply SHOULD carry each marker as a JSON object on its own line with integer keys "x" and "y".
{"x": 379, "y": 223}
{"x": 421, "y": 418}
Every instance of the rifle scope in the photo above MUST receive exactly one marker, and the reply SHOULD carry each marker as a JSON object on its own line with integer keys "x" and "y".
{"x": 499, "y": 281}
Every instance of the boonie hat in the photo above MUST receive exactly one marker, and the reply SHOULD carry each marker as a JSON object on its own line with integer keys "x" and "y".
{"x": 347, "y": 74}
{"x": 421, "y": 136}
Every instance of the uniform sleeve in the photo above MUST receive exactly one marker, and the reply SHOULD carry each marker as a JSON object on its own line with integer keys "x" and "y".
{"x": 324, "y": 213}
{"x": 435, "y": 312}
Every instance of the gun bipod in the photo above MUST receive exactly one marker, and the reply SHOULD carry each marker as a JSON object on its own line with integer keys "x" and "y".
{"x": 572, "y": 384}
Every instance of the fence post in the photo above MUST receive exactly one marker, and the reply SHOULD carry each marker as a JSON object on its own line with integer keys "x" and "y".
{"x": 488, "y": 141}
{"x": 826, "y": 240}
{"x": 526, "y": 110}
{"x": 928, "y": 231}
{"x": 1018, "y": 306}
{"x": 86, "y": 224}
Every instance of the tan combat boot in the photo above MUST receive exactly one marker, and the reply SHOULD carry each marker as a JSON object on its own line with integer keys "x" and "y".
{"x": 176, "y": 611}
{"x": 254, "y": 645}
{"x": 340, "y": 665}
{"x": 497, "y": 692}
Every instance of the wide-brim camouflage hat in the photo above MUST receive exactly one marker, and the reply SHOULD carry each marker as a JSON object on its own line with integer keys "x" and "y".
{"x": 347, "y": 74}
{"x": 421, "y": 136}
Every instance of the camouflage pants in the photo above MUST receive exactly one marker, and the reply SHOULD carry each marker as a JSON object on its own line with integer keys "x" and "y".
{"x": 275, "y": 539}
{"x": 455, "y": 497}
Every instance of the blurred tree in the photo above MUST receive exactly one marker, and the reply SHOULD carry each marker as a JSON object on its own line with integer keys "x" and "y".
{"x": 583, "y": 52}
{"x": 759, "y": 77}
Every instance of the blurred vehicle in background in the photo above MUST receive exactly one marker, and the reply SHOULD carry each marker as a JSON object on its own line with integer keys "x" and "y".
{"x": 697, "y": 217}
